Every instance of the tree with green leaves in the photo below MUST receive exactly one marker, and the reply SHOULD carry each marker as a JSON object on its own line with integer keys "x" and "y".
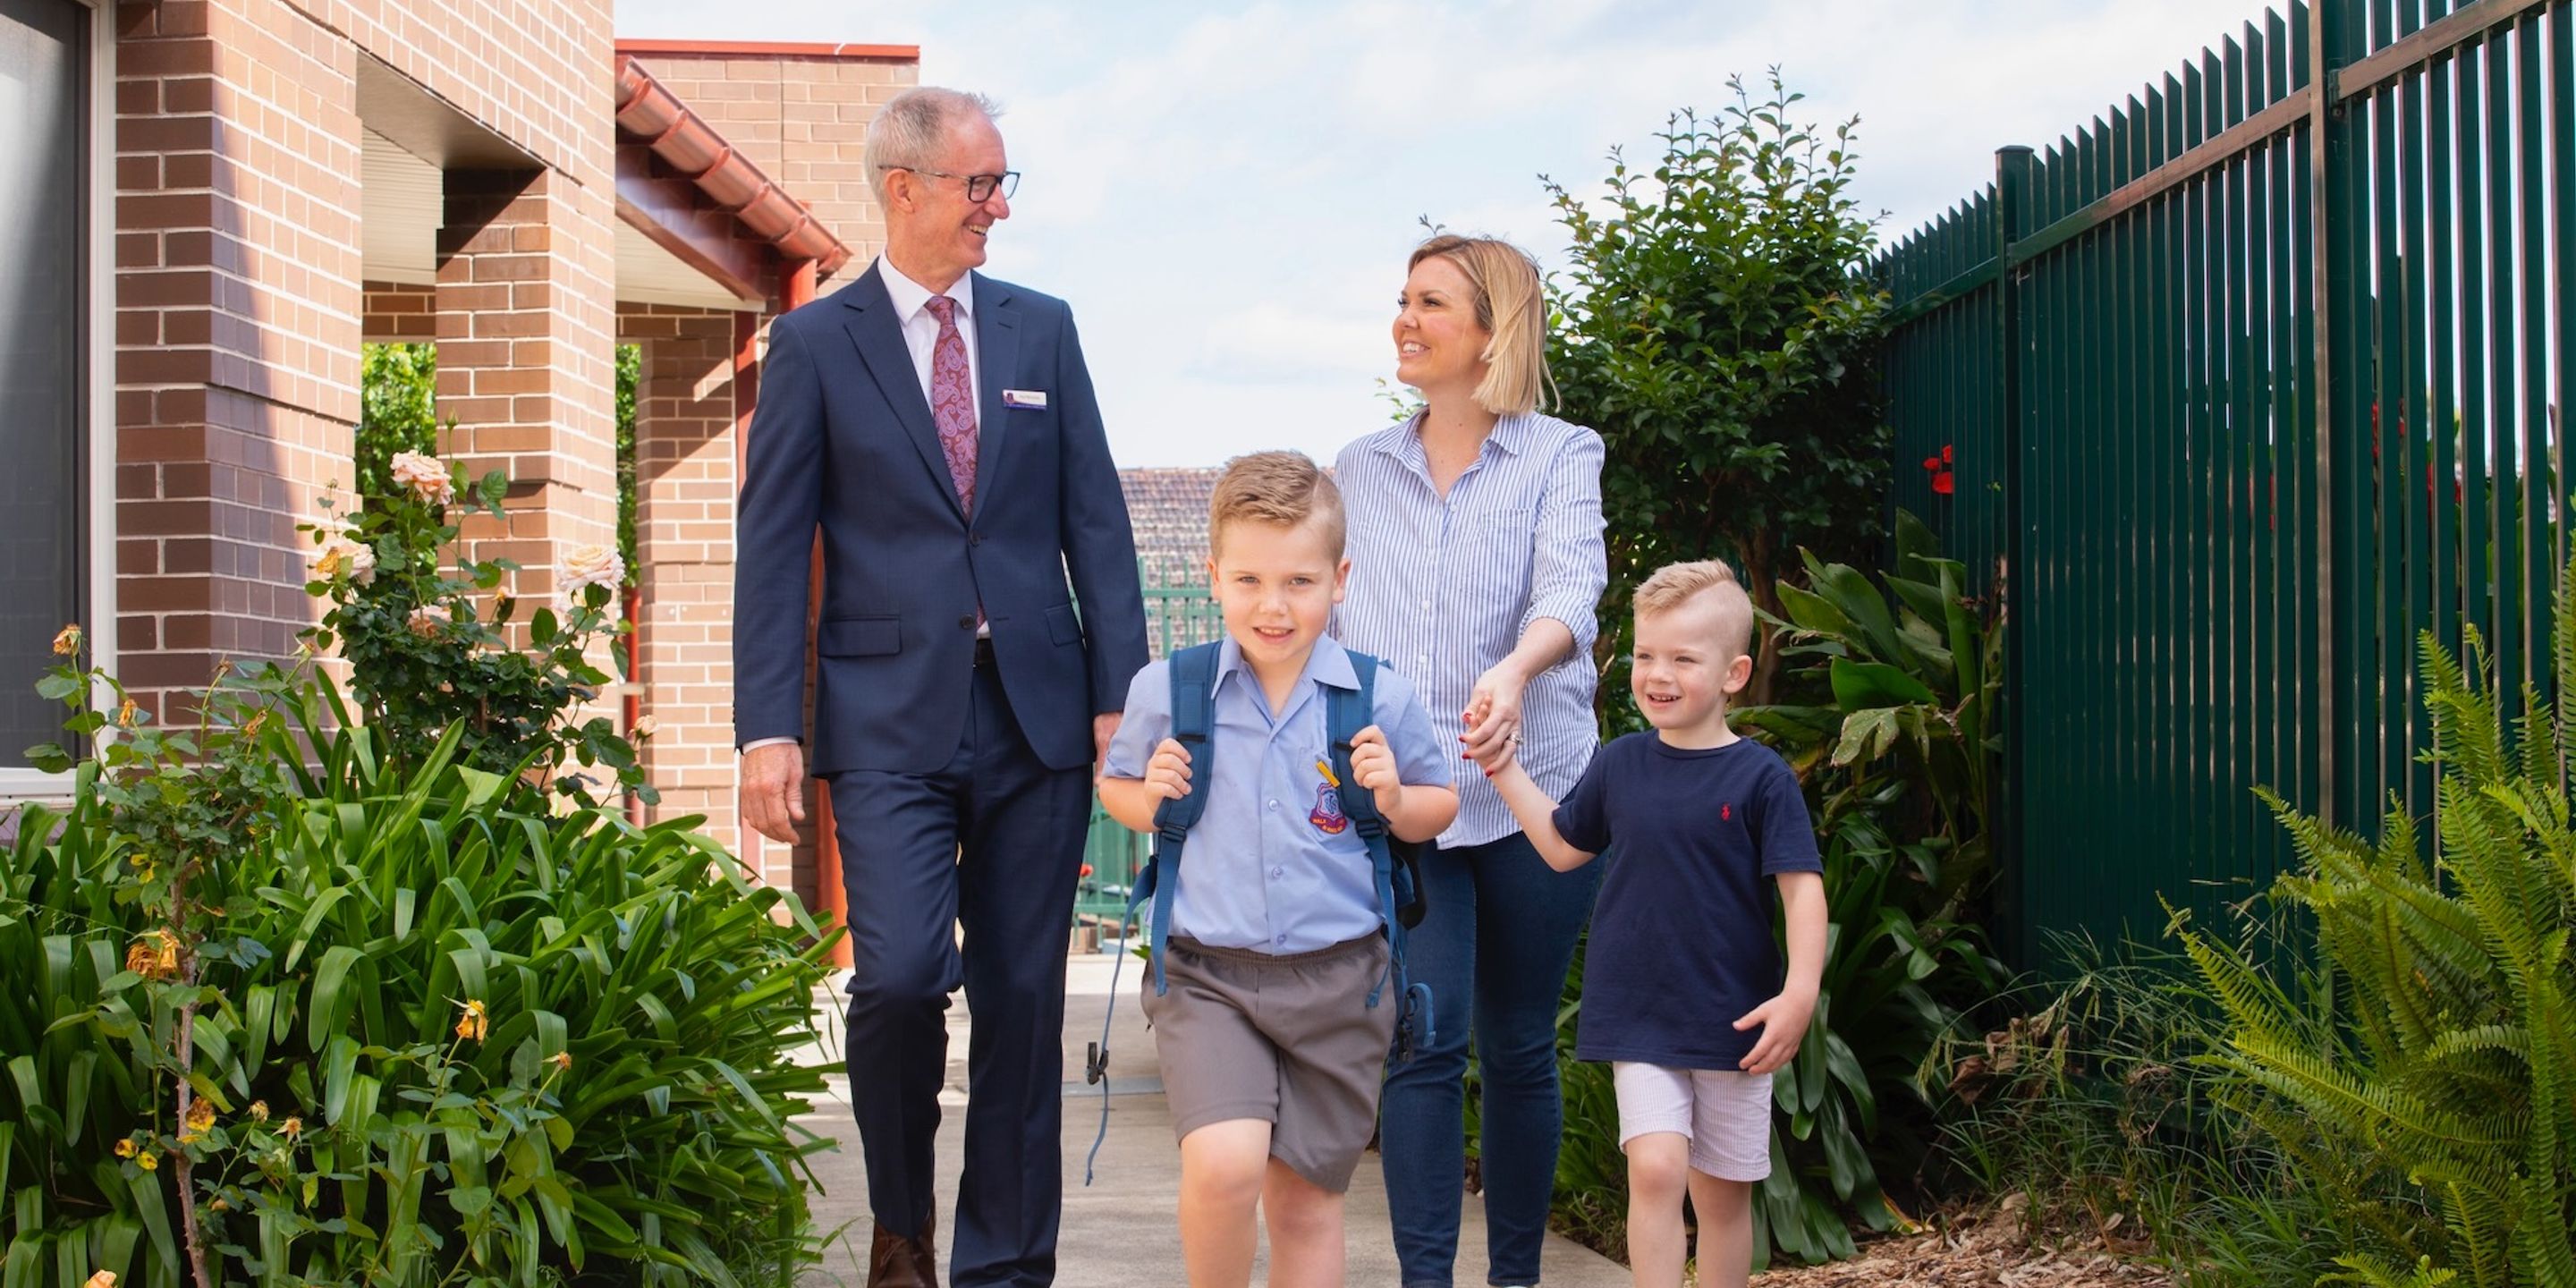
{"x": 1718, "y": 330}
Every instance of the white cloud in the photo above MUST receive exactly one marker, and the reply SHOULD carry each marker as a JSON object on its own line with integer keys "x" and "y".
{"x": 1226, "y": 192}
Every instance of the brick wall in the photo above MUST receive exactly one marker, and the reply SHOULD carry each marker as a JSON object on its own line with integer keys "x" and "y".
{"x": 239, "y": 307}
{"x": 684, "y": 490}
{"x": 803, "y": 121}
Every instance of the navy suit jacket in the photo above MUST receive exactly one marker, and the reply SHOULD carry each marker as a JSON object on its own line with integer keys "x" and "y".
{"x": 842, "y": 441}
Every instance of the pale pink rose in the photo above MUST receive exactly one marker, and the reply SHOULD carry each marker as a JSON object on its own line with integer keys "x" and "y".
{"x": 426, "y": 475}
{"x": 586, "y": 566}
{"x": 644, "y": 727}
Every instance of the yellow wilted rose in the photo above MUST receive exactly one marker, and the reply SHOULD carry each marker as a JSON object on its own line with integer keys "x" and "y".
{"x": 103, "y": 1279}
{"x": 200, "y": 1120}
{"x": 475, "y": 1023}
{"x": 66, "y": 643}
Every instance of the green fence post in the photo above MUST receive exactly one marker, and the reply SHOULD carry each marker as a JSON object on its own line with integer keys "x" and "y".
{"x": 2012, "y": 190}
{"x": 2330, "y": 233}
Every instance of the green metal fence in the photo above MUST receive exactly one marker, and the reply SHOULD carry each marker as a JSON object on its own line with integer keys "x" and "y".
{"x": 2244, "y": 386}
{"x": 1177, "y": 615}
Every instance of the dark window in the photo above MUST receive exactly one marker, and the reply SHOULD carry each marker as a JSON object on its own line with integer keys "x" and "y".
{"x": 44, "y": 330}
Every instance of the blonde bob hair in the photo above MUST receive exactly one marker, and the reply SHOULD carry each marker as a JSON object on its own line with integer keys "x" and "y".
{"x": 1511, "y": 308}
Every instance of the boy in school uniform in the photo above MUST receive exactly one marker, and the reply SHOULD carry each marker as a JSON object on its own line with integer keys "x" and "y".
{"x": 1683, "y": 990}
{"x": 1272, "y": 1034}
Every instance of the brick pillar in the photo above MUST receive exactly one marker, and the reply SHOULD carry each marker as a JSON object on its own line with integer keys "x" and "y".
{"x": 237, "y": 297}
{"x": 684, "y": 490}
{"x": 525, "y": 278}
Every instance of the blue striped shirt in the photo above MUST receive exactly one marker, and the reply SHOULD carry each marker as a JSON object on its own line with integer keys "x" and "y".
{"x": 1443, "y": 589}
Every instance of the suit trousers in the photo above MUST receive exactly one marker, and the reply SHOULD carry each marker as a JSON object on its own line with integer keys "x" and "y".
{"x": 990, "y": 843}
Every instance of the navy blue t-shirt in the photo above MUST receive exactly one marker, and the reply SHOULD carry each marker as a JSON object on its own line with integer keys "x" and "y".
{"x": 1681, "y": 938}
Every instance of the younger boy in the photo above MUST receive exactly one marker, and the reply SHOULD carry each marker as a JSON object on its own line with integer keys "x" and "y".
{"x": 1272, "y": 1034}
{"x": 1682, "y": 988}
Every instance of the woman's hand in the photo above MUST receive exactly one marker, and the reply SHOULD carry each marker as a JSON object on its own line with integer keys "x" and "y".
{"x": 1493, "y": 715}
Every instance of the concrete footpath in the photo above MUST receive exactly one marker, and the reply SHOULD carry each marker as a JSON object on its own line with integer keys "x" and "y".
{"x": 1119, "y": 1231}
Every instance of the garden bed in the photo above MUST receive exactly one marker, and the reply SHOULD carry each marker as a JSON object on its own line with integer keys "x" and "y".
{"x": 1990, "y": 1246}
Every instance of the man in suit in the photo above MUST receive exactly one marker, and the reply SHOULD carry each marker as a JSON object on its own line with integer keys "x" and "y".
{"x": 937, "y": 428}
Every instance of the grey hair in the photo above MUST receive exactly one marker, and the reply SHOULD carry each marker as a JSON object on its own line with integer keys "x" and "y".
{"x": 908, "y": 130}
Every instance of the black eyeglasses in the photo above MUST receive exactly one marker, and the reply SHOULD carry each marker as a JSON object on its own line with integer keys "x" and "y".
{"x": 979, "y": 187}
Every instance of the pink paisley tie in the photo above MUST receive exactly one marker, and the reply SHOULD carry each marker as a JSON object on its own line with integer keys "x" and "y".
{"x": 952, "y": 401}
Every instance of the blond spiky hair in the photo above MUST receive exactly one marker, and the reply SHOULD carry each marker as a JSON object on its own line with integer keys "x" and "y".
{"x": 1674, "y": 585}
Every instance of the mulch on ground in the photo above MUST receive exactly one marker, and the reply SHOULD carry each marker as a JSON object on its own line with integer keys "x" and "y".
{"x": 1992, "y": 1246}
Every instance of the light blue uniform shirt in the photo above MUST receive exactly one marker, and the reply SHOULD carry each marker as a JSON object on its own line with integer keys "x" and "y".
{"x": 1274, "y": 864}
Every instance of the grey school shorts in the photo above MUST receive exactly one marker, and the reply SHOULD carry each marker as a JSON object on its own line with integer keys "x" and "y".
{"x": 1290, "y": 1040}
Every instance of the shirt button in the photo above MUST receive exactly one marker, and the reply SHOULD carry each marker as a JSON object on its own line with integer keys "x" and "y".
{"x": 1277, "y": 873}
{"x": 1274, "y": 804}
{"x": 1283, "y": 941}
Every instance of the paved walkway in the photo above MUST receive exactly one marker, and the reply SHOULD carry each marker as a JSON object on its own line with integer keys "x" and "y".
{"x": 1118, "y": 1232}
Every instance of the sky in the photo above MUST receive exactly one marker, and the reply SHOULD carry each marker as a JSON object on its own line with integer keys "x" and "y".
{"x": 1226, "y": 192}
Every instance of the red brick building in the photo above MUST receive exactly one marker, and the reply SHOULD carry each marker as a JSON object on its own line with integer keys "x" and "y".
{"x": 213, "y": 203}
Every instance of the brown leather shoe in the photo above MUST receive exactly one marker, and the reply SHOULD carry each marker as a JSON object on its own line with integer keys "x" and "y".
{"x": 897, "y": 1262}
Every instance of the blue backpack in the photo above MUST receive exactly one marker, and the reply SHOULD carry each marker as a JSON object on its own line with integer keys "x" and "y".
{"x": 1397, "y": 863}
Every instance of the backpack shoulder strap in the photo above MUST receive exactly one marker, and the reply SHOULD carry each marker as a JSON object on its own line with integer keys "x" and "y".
{"x": 1193, "y": 675}
{"x": 1346, "y": 712}
{"x": 1349, "y": 711}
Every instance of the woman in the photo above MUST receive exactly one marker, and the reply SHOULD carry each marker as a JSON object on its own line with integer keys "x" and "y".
{"x": 1476, "y": 566}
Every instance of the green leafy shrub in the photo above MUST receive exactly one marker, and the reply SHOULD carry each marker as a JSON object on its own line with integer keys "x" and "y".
{"x": 1716, "y": 325}
{"x": 1899, "y": 748}
{"x": 294, "y": 1010}
{"x": 429, "y": 647}
{"x": 397, "y": 410}
{"x": 2438, "y": 1034}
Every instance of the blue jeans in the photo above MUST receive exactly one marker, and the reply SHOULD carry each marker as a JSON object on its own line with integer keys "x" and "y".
{"x": 1495, "y": 945}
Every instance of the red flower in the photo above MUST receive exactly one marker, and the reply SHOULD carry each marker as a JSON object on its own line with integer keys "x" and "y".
{"x": 1944, "y": 483}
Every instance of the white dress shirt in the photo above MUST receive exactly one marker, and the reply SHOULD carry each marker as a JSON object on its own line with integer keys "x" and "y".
{"x": 921, "y": 335}
{"x": 921, "y": 326}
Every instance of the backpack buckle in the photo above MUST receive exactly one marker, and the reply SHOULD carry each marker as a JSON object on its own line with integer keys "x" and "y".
{"x": 1413, "y": 1024}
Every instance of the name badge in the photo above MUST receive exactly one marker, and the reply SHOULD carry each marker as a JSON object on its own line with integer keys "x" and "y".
{"x": 1032, "y": 398}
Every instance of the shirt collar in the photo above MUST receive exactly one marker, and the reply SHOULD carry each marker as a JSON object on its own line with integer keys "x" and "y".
{"x": 1329, "y": 663}
{"x": 1404, "y": 442}
{"x": 911, "y": 297}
